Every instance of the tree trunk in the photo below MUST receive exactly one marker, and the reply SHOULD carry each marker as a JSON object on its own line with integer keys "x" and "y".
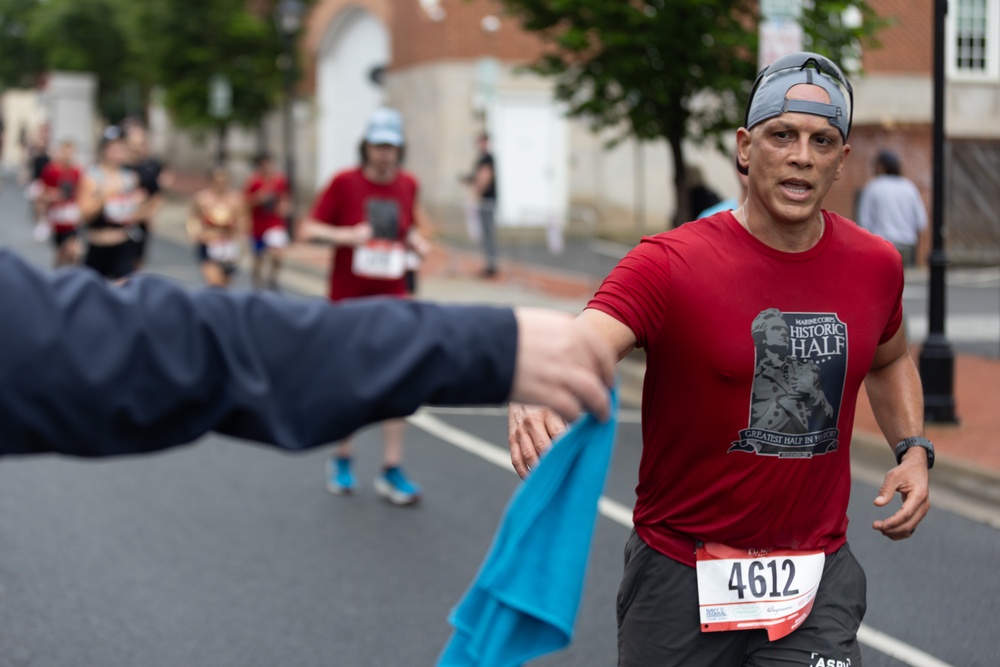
{"x": 675, "y": 139}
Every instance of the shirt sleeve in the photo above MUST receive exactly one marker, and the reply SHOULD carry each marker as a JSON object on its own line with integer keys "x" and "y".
{"x": 88, "y": 369}
{"x": 635, "y": 292}
{"x": 324, "y": 210}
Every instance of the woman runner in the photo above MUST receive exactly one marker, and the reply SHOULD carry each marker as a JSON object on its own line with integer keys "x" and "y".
{"x": 216, "y": 224}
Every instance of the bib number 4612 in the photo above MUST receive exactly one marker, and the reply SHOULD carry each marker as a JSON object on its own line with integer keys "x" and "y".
{"x": 763, "y": 579}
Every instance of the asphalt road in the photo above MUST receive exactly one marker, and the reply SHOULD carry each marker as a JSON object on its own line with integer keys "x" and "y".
{"x": 229, "y": 554}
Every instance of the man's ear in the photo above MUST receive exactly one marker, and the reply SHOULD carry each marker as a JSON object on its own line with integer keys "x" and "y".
{"x": 743, "y": 141}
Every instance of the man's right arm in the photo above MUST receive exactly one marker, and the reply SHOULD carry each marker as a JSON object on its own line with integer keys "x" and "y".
{"x": 532, "y": 428}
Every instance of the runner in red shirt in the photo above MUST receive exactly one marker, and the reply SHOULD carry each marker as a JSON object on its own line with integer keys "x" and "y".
{"x": 267, "y": 194}
{"x": 759, "y": 327}
{"x": 368, "y": 214}
{"x": 60, "y": 181}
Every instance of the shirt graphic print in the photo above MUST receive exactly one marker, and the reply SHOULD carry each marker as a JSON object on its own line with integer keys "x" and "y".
{"x": 798, "y": 384}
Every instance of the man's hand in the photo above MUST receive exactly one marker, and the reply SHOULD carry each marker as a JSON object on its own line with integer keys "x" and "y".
{"x": 910, "y": 479}
{"x": 563, "y": 364}
{"x": 362, "y": 234}
{"x": 531, "y": 430}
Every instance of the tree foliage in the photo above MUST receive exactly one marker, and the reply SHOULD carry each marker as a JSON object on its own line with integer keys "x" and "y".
{"x": 20, "y": 62}
{"x": 672, "y": 69}
{"x": 182, "y": 44}
{"x": 133, "y": 47}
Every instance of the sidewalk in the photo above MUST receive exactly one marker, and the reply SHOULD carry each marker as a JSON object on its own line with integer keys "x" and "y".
{"x": 970, "y": 449}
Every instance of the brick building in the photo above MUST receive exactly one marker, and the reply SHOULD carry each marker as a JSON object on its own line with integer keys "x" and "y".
{"x": 451, "y": 67}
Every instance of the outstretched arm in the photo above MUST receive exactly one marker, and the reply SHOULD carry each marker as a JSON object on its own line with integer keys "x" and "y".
{"x": 896, "y": 397}
{"x": 92, "y": 370}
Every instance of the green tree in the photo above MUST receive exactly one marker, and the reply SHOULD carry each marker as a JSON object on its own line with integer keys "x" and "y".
{"x": 85, "y": 36}
{"x": 672, "y": 69}
{"x": 182, "y": 44}
{"x": 20, "y": 61}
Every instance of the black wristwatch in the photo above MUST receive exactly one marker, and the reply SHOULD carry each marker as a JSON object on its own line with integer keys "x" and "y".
{"x": 916, "y": 441}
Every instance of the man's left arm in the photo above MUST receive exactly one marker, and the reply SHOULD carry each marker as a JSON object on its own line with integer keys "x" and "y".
{"x": 896, "y": 396}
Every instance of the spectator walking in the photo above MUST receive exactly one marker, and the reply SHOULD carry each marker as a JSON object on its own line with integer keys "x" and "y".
{"x": 483, "y": 183}
{"x": 368, "y": 214}
{"x": 891, "y": 207}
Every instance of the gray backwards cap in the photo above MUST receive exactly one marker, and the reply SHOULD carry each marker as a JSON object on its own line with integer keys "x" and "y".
{"x": 767, "y": 99}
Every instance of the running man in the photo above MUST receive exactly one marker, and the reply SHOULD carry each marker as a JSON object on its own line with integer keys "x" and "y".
{"x": 150, "y": 172}
{"x": 111, "y": 203}
{"x": 739, "y": 555}
{"x": 60, "y": 181}
{"x": 217, "y": 225}
{"x": 267, "y": 193}
{"x": 368, "y": 214}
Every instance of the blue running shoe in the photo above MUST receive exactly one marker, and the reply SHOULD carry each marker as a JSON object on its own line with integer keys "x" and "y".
{"x": 393, "y": 485}
{"x": 339, "y": 479}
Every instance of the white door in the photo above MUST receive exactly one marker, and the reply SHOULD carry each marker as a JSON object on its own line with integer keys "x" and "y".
{"x": 529, "y": 142}
{"x": 355, "y": 45}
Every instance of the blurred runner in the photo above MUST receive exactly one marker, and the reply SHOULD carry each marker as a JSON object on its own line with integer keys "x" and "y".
{"x": 60, "y": 184}
{"x": 217, "y": 224}
{"x": 111, "y": 203}
{"x": 150, "y": 173}
{"x": 267, "y": 195}
{"x": 483, "y": 182}
{"x": 37, "y": 156}
{"x": 368, "y": 214}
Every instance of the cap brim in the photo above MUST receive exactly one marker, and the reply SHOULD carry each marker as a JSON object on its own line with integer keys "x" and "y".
{"x": 384, "y": 137}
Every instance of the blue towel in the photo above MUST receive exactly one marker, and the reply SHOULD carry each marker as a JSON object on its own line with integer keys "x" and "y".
{"x": 524, "y": 601}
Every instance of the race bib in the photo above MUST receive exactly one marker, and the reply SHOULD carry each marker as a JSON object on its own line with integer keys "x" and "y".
{"x": 121, "y": 208}
{"x": 381, "y": 259}
{"x": 275, "y": 237}
{"x": 740, "y": 589}
{"x": 224, "y": 251}
{"x": 67, "y": 213}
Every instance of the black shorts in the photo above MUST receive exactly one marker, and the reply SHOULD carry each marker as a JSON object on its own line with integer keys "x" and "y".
{"x": 659, "y": 626}
{"x": 138, "y": 237}
{"x": 111, "y": 261}
{"x": 201, "y": 254}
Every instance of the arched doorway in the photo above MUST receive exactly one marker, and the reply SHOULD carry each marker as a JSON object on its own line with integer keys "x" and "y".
{"x": 354, "y": 50}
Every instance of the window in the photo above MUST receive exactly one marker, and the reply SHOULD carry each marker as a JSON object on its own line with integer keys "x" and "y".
{"x": 973, "y": 34}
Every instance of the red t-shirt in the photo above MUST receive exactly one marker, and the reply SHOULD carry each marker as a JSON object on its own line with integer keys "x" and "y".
{"x": 754, "y": 362}
{"x": 264, "y": 215}
{"x": 62, "y": 213}
{"x": 351, "y": 198}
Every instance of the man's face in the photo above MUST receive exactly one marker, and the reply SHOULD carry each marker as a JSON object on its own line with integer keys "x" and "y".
{"x": 136, "y": 139}
{"x": 65, "y": 154}
{"x": 382, "y": 159}
{"x": 794, "y": 160}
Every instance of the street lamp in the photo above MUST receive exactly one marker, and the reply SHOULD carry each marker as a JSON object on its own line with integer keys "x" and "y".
{"x": 288, "y": 17}
{"x": 937, "y": 359}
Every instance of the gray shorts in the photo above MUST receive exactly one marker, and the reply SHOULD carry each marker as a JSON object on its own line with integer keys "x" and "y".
{"x": 658, "y": 623}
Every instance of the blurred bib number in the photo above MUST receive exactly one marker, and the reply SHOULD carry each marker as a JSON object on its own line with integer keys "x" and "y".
{"x": 381, "y": 259}
{"x": 741, "y": 589}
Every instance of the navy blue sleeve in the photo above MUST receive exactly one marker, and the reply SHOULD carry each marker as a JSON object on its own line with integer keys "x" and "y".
{"x": 92, "y": 370}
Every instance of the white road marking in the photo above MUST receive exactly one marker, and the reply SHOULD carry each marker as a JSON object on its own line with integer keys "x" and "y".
{"x": 894, "y": 648}
{"x": 622, "y": 515}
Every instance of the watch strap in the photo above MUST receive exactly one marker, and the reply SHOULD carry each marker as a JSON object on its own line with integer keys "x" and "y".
{"x": 915, "y": 441}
